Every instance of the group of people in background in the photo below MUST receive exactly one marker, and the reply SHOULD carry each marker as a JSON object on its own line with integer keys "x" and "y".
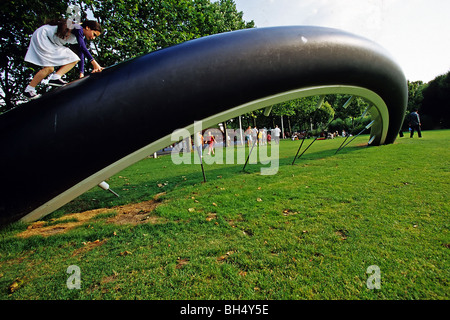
{"x": 322, "y": 135}
{"x": 251, "y": 136}
{"x": 262, "y": 136}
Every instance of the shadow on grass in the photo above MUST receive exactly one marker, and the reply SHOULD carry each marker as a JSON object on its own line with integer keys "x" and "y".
{"x": 192, "y": 175}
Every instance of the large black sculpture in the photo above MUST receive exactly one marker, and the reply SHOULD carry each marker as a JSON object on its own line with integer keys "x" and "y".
{"x": 57, "y": 147}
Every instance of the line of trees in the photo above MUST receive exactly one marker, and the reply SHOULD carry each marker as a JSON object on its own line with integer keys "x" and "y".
{"x": 136, "y": 27}
{"x": 304, "y": 115}
{"x": 433, "y": 101}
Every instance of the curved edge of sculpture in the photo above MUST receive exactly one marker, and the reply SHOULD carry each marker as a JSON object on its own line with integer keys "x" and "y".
{"x": 70, "y": 140}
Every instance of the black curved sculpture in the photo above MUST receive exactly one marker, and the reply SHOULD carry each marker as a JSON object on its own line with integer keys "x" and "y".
{"x": 71, "y": 139}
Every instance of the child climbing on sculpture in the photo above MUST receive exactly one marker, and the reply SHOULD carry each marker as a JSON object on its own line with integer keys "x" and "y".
{"x": 47, "y": 49}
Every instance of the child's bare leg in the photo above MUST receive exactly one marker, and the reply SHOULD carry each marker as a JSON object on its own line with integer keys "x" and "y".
{"x": 44, "y": 72}
{"x": 55, "y": 79}
{"x": 64, "y": 69}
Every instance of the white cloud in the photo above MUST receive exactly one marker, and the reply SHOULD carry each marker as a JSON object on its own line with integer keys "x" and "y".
{"x": 415, "y": 32}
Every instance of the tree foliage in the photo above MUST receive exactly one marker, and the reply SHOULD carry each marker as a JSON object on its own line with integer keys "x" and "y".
{"x": 415, "y": 94}
{"x": 18, "y": 20}
{"x": 304, "y": 114}
{"x": 436, "y": 102}
{"x": 135, "y": 27}
{"x": 131, "y": 28}
{"x": 433, "y": 101}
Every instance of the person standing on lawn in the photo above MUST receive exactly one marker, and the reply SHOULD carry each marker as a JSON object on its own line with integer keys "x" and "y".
{"x": 211, "y": 140}
{"x": 414, "y": 123}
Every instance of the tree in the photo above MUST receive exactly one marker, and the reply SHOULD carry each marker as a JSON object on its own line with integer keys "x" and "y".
{"x": 415, "y": 94}
{"x": 287, "y": 109}
{"x": 136, "y": 27}
{"x": 305, "y": 109}
{"x": 323, "y": 115}
{"x": 18, "y": 20}
{"x": 304, "y": 112}
{"x": 348, "y": 118}
{"x": 352, "y": 110}
{"x": 132, "y": 28}
{"x": 435, "y": 109}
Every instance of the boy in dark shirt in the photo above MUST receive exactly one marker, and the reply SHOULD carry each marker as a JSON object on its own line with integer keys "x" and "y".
{"x": 414, "y": 123}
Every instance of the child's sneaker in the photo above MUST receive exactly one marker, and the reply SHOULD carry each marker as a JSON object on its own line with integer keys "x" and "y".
{"x": 30, "y": 95}
{"x": 57, "y": 82}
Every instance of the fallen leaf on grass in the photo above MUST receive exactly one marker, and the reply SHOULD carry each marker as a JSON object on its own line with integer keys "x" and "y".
{"x": 288, "y": 212}
{"x": 13, "y": 287}
{"x": 221, "y": 258}
{"x": 181, "y": 263}
{"x": 342, "y": 234}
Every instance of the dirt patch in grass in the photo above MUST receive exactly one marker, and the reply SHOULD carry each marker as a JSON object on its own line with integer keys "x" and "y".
{"x": 88, "y": 246}
{"x": 136, "y": 213}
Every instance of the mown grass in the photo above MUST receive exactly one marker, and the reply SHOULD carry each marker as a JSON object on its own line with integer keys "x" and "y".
{"x": 308, "y": 232}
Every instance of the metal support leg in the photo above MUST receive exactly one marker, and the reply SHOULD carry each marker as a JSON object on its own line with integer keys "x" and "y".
{"x": 320, "y": 102}
{"x": 303, "y": 140}
{"x": 363, "y": 114}
{"x": 306, "y": 148}
{"x": 248, "y": 157}
{"x": 199, "y": 152}
{"x": 105, "y": 186}
{"x": 365, "y": 128}
{"x": 348, "y": 102}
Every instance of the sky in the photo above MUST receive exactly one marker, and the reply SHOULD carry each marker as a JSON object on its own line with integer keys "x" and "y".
{"x": 415, "y": 32}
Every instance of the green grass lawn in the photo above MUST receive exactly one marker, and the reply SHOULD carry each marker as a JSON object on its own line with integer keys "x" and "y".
{"x": 309, "y": 232}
